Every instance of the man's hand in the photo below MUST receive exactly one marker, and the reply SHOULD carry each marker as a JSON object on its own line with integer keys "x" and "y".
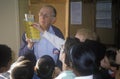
{"x": 30, "y": 42}
{"x": 37, "y": 26}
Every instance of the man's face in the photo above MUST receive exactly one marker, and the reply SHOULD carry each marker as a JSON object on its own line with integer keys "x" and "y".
{"x": 46, "y": 17}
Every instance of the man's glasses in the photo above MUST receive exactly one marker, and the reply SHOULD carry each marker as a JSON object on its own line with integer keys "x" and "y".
{"x": 45, "y": 15}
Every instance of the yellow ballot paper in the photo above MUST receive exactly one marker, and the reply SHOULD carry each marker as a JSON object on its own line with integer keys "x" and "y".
{"x": 31, "y": 32}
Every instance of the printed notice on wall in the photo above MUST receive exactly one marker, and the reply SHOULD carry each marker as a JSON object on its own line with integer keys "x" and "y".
{"x": 104, "y": 15}
{"x": 76, "y": 12}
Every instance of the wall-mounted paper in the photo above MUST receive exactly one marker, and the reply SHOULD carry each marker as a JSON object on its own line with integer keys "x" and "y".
{"x": 76, "y": 12}
{"x": 104, "y": 15}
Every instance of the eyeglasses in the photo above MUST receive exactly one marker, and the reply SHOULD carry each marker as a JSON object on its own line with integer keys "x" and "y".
{"x": 45, "y": 15}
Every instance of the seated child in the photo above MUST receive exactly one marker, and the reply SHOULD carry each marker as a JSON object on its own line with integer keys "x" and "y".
{"x": 22, "y": 70}
{"x": 83, "y": 61}
{"x": 44, "y": 67}
{"x": 109, "y": 64}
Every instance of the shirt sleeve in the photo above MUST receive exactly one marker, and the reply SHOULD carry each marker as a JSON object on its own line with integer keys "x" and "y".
{"x": 55, "y": 40}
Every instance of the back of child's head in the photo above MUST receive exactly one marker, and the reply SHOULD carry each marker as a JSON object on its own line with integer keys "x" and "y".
{"x": 30, "y": 56}
{"x": 22, "y": 70}
{"x": 83, "y": 59}
{"x": 22, "y": 60}
{"x": 45, "y": 67}
{"x": 5, "y": 55}
{"x": 98, "y": 49}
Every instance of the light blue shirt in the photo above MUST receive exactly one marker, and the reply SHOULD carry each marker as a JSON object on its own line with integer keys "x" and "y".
{"x": 35, "y": 76}
{"x": 44, "y": 47}
{"x": 67, "y": 74}
{"x": 85, "y": 77}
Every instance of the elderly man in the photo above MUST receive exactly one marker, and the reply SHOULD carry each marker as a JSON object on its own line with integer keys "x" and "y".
{"x": 47, "y": 16}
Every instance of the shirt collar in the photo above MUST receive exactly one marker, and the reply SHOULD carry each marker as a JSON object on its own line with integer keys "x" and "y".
{"x": 51, "y": 30}
{"x": 85, "y": 77}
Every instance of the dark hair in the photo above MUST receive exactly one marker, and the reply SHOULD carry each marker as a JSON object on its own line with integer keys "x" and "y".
{"x": 23, "y": 70}
{"x": 27, "y": 56}
{"x": 83, "y": 59}
{"x": 30, "y": 56}
{"x": 45, "y": 67}
{"x": 5, "y": 55}
{"x": 98, "y": 49}
{"x": 111, "y": 54}
{"x": 53, "y": 8}
{"x": 70, "y": 41}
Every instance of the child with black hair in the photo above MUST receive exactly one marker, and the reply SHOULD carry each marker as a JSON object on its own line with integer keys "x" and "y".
{"x": 83, "y": 61}
{"x": 5, "y": 60}
{"x": 109, "y": 65}
{"x": 22, "y": 70}
{"x": 5, "y": 57}
{"x": 28, "y": 56}
{"x": 44, "y": 67}
{"x": 67, "y": 72}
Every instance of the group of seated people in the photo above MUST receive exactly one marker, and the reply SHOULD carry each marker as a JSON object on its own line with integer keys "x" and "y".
{"x": 82, "y": 57}
{"x": 25, "y": 67}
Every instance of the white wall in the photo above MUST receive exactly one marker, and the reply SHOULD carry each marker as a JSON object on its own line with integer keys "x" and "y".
{"x": 9, "y": 24}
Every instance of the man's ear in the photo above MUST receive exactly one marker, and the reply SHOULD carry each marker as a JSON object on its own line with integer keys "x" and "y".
{"x": 54, "y": 20}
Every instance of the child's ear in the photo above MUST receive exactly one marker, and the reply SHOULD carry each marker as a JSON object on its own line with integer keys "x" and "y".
{"x": 35, "y": 68}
